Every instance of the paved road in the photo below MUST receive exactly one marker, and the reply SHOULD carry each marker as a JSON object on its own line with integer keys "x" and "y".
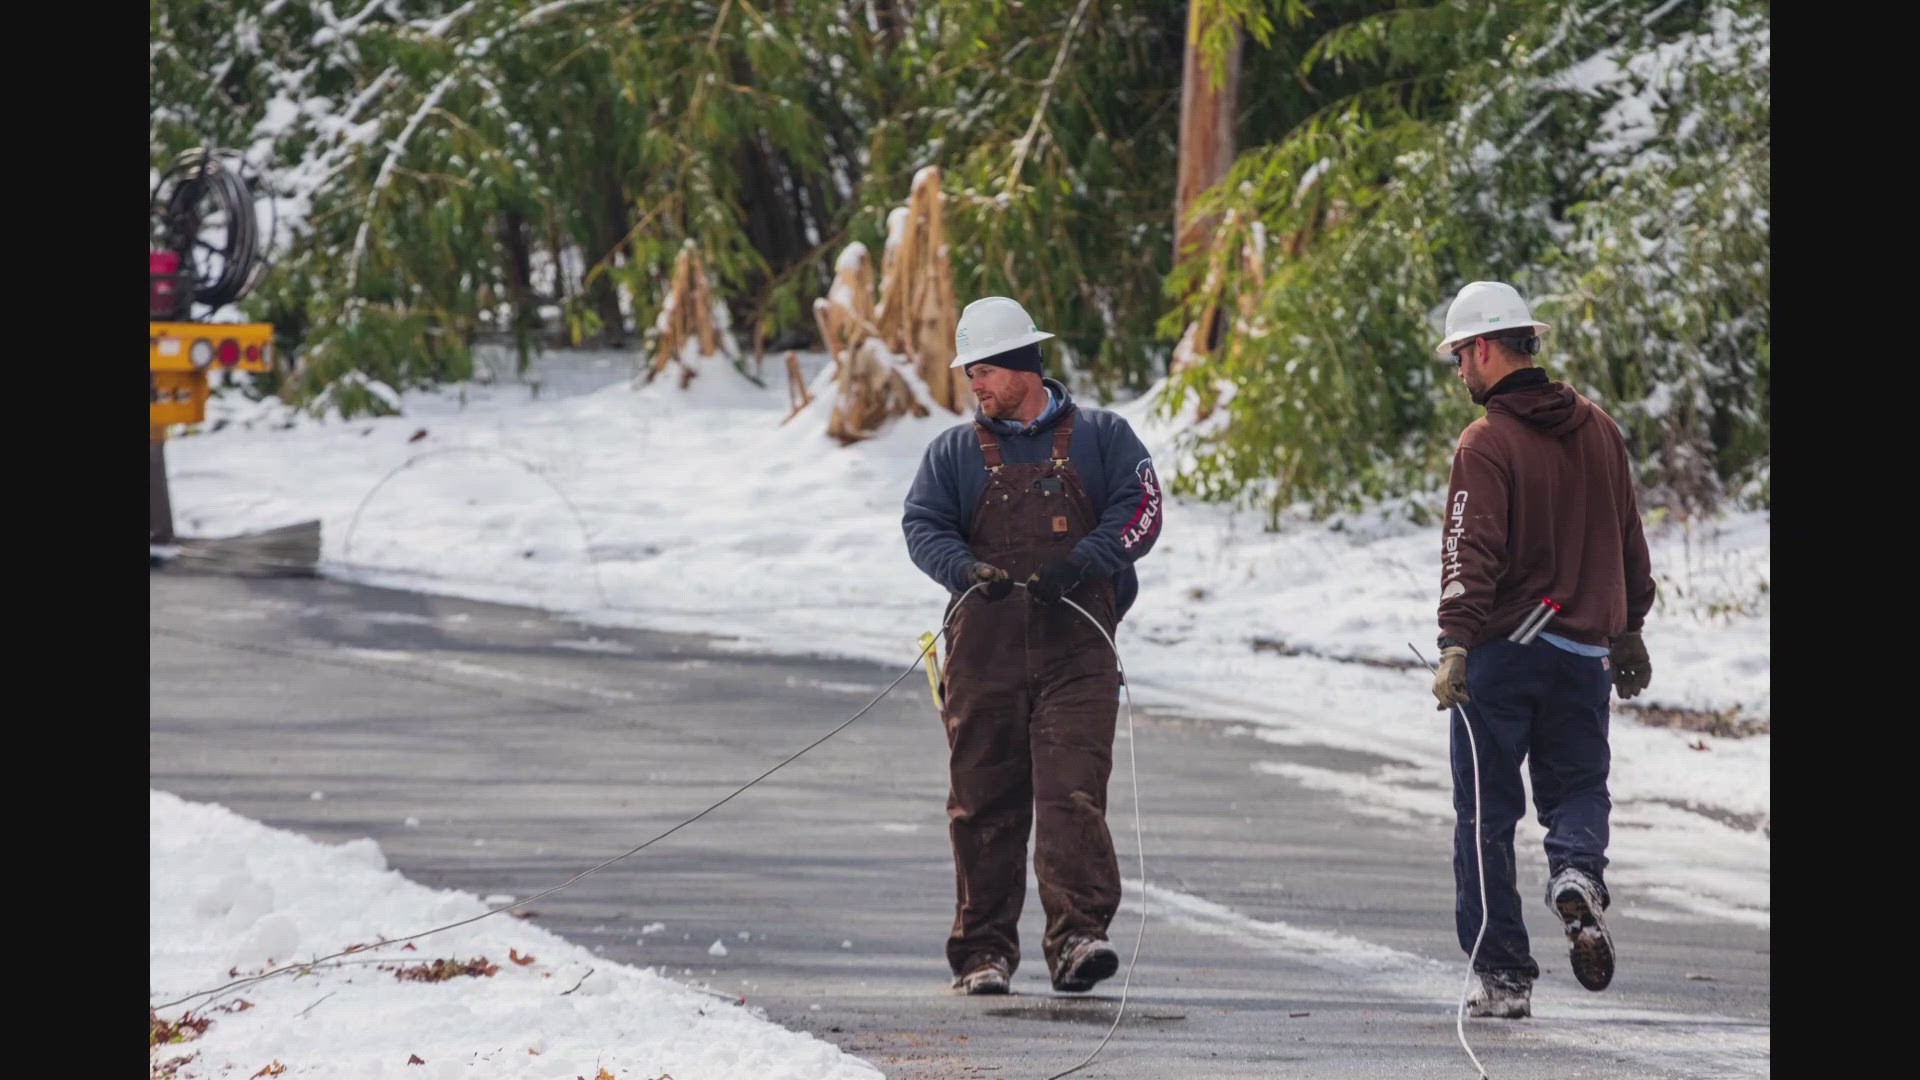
{"x": 1288, "y": 935}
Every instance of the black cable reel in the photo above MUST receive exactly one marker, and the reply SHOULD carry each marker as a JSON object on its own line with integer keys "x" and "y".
{"x": 202, "y": 212}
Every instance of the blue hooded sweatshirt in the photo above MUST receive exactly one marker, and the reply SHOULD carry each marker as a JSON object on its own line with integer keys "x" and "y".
{"x": 1113, "y": 465}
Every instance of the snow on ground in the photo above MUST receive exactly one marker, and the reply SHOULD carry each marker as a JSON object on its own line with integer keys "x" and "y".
{"x": 699, "y": 510}
{"x": 227, "y": 892}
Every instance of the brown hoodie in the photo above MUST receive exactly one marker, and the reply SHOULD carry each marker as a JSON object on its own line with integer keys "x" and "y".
{"x": 1541, "y": 504}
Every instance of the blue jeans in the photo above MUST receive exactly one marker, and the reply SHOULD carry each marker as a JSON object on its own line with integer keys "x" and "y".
{"x": 1546, "y": 706}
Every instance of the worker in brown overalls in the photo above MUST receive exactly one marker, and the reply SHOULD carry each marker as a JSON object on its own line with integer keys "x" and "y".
{"x": 1040, "y": 493}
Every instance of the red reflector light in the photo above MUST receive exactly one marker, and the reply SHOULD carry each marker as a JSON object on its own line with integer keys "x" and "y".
{"x": 163, "y": 288}
{"x": 229, "y": 352}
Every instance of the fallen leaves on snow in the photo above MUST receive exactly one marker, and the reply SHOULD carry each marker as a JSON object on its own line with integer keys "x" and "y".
{"x": 442, "y": 970}
{"x": 162, "y": 1032}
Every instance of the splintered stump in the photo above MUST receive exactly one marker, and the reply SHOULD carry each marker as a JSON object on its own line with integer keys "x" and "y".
{"x": 870, "y": 387}
{"x": 687, "y": 317}
{"x": 917, "y": 313}
{"x": 891, "y": 355}
{"x": 797, "y": 394}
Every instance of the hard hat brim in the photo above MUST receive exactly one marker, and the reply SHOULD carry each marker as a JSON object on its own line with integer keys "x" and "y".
{"x": 978, "y": 356}
{"x": 1452, "y": 341}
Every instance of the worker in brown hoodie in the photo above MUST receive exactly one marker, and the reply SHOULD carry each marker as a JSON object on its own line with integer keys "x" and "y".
{"x": 1540, "y": 505}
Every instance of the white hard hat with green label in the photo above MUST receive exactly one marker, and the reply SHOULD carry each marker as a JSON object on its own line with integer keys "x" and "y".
{"x": 990, "y": 326}
{"x": 1485, "y": 307}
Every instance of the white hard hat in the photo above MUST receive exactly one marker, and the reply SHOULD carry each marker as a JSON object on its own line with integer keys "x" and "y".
{"x": 990, "y": 326}
{"x": 1484, "y": 307}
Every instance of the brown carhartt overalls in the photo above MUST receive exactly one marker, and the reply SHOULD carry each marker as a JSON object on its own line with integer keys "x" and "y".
{"x": 1030, "y": 697}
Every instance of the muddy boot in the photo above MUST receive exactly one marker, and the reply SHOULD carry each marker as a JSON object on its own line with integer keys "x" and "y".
{"x": 1083, "y": 962}
{"x": 1503, "y": 995}
{"x": 1575, "y": 898}
{"x": 985, "y": 974}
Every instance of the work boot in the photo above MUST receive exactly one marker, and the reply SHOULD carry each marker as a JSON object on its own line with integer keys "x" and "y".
{"x": 1576, "y": 899}
{"x": 985, "y": 974}
{"x": 1503, "y": 995}
{"x": 1084, "y": 960}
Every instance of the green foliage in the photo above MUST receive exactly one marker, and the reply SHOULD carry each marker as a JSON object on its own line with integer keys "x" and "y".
{"x": 525, "y": 171}
{"x": 417, "y": 144}
{"x": 1612, "y": 168}
{"x": 454, "y": 171}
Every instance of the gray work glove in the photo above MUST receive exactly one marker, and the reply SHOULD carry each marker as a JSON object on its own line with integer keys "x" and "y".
{"x": 1450, "y": 681}
{"x": 1632, "y": 671}
{"x": 998, "y": 584}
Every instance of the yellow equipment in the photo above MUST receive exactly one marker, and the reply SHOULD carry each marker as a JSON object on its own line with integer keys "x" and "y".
{"x": 180, "y": 355}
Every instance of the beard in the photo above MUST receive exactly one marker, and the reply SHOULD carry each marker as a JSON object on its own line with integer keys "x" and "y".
{"x": 1004, "y": 406}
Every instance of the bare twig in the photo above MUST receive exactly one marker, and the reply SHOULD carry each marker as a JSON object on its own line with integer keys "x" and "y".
{"x": 1046, "y": 92}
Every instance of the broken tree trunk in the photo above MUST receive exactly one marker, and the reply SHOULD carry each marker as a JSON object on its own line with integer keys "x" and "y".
{"x": 916, "y": 313}
{"x": 798, "y": 396}
{"x": 891, "y": 356}
{"x": 686, "y": 319}
{"x": 869, "y": 380}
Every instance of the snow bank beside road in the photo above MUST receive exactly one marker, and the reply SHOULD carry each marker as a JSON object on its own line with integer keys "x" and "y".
{"x": 226, "y": 891}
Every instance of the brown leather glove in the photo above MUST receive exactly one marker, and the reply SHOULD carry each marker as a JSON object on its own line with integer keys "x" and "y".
{"x": 997, "y": 583}
{"x": 1632, "y": 671}
{"x": 1450, "y": 681}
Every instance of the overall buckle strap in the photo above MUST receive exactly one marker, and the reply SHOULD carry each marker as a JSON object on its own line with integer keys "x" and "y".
{"x": 1062, "y": 435}
{"x": 989, "y": 446}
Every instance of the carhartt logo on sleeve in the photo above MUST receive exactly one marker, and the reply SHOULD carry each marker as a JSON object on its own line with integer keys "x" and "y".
{"x": 1450, "y": 563}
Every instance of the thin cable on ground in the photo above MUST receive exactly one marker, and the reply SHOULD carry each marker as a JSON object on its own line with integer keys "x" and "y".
{"x": 1138, "y": 835}
{"x": 1479, "y": 863}
{"x": 251, "y": 979}
{"x": 586, "y": 537}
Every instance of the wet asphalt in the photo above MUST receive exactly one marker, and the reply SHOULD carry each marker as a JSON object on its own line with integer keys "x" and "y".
{"x": 1288, "y": 933}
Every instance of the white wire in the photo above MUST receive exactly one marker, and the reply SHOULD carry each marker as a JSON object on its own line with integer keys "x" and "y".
{"x": 1139, "y": 846}
{"x": 1480, "y": 866}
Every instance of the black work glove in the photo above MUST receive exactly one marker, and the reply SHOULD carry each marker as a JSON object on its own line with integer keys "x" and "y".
{"x": 1632, "y": 671}
{"x": 998, "y": 584}
{"x": 1054, "y": 580}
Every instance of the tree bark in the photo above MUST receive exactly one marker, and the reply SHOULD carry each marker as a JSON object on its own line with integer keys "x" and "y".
{"x": 1206, "y": 134}
{"x": 892, "y": 21}
{"x": 1206, "y": 152}
{"x": 519, "y": 267}
{"x": 610, "y": 223}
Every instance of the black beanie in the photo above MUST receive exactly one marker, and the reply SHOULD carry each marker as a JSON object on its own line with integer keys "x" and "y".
{"x": 1024, "y": 358}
